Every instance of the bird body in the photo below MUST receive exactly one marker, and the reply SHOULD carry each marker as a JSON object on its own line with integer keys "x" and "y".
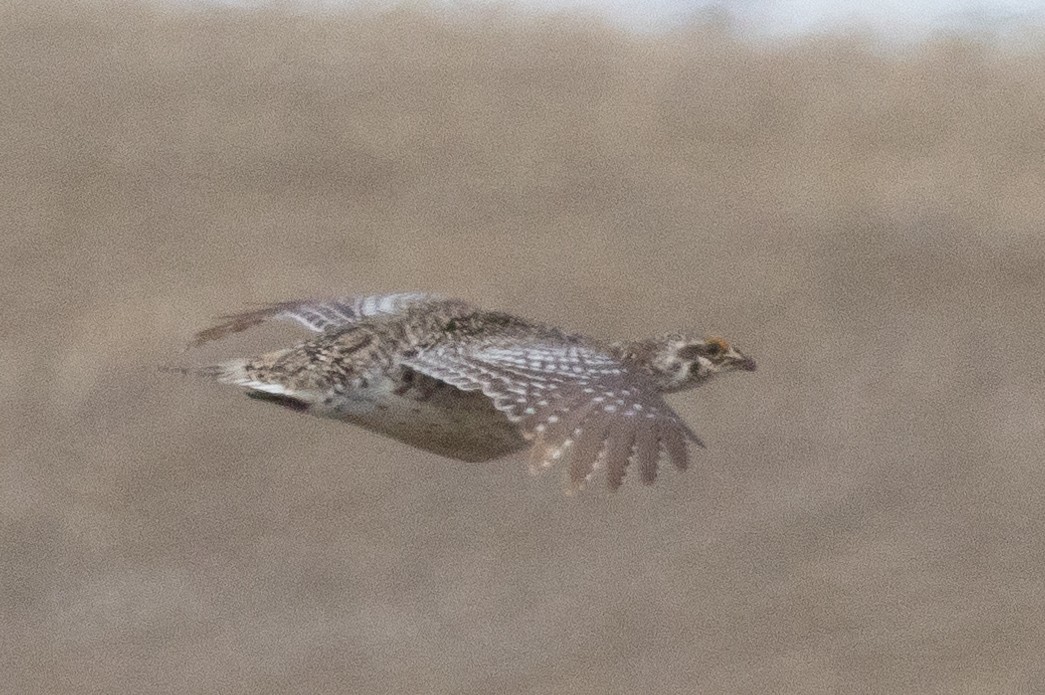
{"x": 471, "y": 384}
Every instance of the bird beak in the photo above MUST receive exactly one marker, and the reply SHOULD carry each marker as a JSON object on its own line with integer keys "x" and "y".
{"x": 744, "y": 362}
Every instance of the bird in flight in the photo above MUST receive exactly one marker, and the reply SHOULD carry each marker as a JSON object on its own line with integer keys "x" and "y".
{"x": 475, "y": 385}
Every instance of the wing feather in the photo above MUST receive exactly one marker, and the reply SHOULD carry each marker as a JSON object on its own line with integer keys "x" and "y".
{"x": 674, "y": 443}
{"x": 618, "y": 456}
{"x": 574, "y": 401}
{"x": 319, "y": 315}
{"x": 587, "y": 445}
{"x": 646, "y": 453}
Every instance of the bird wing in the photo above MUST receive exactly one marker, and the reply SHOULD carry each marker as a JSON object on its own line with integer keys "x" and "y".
{"x": 574, "y": 401}
{"x": 321, "y": 314}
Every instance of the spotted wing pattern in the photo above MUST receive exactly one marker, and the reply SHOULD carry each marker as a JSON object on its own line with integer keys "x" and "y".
{"x": 575, "y": 402}
{"x": 318, "y": 314}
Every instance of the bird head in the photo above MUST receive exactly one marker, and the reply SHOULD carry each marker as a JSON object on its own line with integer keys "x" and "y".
{"x": 678, "y": 361}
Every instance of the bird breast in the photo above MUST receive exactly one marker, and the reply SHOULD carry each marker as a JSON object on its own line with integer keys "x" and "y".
{"x": 427, "y": 414}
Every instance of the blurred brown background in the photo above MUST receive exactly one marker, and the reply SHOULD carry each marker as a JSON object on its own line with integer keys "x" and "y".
{"x": 867, "y": 221}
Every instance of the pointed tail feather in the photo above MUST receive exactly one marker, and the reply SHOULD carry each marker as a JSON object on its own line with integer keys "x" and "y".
{"x": 227, "y": 372}
{"x": 233, "y": 372}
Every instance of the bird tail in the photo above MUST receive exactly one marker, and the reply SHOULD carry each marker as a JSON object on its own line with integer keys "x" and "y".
{"x": 252, "y": 374}
{"x": 236, "y": 372}
{"x": 227, "y": 372}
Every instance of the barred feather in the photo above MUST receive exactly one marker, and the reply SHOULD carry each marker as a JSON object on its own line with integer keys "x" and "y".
{"x": 574, "y": 401}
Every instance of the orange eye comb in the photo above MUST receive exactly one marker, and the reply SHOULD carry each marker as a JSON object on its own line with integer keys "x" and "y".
{"x": 720, "y": 343}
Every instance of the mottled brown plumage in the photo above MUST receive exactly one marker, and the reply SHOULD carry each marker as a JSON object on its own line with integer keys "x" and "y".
{"x": 475, "y": 385}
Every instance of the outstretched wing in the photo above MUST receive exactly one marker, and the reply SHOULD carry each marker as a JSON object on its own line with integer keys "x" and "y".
{"x": 320, "y": 314}
{"x": 576, "y": 402}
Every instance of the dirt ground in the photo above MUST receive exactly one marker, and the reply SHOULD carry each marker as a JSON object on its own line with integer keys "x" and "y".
{"x": 868, "y": 222}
